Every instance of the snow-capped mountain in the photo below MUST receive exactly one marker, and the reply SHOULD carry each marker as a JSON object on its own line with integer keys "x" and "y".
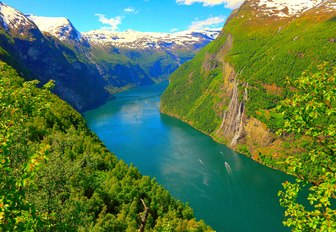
{"x": 12, "y": 19}
{"x": 289, "y": 8}
{"x": 63, "y": 29}
{"x": 59, "y": 27}
{"x": 36, "y": 55}
{"x": 131, "y": 39}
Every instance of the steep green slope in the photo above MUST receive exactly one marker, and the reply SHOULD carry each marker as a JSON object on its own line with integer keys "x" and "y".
{"x": 230, "y": 87}
{"x": 119, "y": 71}
{"x": 55, "y": 175}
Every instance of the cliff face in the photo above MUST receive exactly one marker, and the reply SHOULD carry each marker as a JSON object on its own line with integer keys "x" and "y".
{"x": 230, "y": 88}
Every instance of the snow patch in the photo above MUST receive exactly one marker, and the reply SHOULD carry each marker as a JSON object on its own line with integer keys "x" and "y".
{"x": 286, "y": 8}
{"x": 331, "y": 5}
{"x": 48, "y": 23}
{"x": 12, "y": 18}
{"x": 59, "y": 27}
{"x": 143, "y": 40}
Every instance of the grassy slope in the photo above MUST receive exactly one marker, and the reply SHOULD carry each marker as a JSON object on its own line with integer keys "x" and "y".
{"x": 77, "y": 184}
{"x": 265, "y": 52}
{"x": 189, "y": 94}
{"x": 273, "y": 52}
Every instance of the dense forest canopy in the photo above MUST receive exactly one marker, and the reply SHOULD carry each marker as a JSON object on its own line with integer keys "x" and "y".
{"x": 55, "y": 175}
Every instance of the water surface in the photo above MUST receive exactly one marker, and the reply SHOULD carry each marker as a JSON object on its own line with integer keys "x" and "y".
{"x": 229, "y": 191}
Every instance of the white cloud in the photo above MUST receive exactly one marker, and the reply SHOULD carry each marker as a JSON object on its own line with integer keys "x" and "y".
{"x": 130, "y": 10}
{"x": 112, "y": 22}
{"x": 174, "y": 30}
{"x": 207, "y": 23}
{"x": 232, "y": 4}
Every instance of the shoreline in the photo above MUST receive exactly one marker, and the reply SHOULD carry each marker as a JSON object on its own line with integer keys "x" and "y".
{"x": 218, "y": 141}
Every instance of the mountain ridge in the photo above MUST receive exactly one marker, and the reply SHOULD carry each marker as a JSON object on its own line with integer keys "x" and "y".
{"x": 146, "y": 40}
{"x": 86, "y": 74}
{"x": 59, "y": 27}
{"x": 63, "y": 29}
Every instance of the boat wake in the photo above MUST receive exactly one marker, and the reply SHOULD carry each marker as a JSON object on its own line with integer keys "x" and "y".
{"x": 228, "y": 168}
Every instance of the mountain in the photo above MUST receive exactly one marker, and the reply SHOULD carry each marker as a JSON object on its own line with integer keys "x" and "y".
{"x": 12, "y": 19}
{"x": 152, "y": 56}
{"x": 230, "y": 88}
{"x": 86, "y": 72}
{"x": 37, "y": 56}
{"x": 61, "y": 28}
{"x": 84, "y": 75}
{"x": 131, "y": 39}
{"x": 158, "y": 54}
{"x": 285, "y": 8}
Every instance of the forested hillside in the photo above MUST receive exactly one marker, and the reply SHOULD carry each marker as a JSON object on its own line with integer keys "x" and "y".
{"x": 230, "y": 88}
{"x": 55, "y": 175}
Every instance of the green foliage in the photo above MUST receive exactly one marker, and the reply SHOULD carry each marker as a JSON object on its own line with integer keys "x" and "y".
{"x": 271, "y": 53}
{"x": 311, "y": 112}
{"x": 55, "y": 175}
{"x": 192, "y": 93}
{"x": 264, "y": 52}
{"x": 18, "y": 166}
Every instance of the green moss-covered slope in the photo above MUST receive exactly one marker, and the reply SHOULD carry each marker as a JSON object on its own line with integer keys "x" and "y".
{"x": 230, "y": 88}
{"x": 55, "y": 175}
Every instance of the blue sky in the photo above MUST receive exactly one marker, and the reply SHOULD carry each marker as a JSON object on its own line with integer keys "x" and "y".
{"x": 140, "y": 15}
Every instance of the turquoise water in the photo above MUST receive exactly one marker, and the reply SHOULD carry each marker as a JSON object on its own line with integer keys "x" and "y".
{"x": 229, "y": 191}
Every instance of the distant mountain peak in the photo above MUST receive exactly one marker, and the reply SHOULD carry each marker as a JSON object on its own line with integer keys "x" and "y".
{"x": 132, "y": 39}
{"x": 11, "y": 18}
{"x": 59, "y": 27}
{"x": 48, "y": 23}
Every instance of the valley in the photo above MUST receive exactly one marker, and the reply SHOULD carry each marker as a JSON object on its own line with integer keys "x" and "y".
{"x": 215, "y": 181}
{"x": 193, "y": 127}
{"x": 89, "y": 67}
